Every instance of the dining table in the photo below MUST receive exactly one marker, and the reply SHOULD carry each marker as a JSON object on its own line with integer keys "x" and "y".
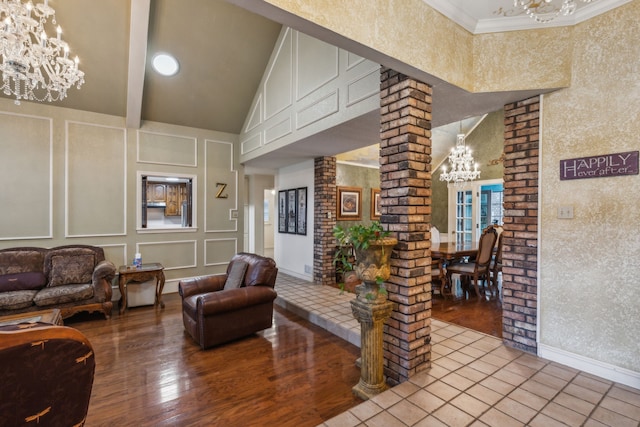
{"x": 448, "y": 251}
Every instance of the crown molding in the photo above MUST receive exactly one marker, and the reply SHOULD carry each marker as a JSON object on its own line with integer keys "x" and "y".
{"x": 479, "y": 25}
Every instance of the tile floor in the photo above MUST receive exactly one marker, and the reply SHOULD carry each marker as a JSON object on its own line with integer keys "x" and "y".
{"x": 474, "y": 380}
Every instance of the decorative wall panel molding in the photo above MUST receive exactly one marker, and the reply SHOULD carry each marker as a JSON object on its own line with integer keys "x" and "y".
{"x": 331, "y": 86}
{"x": 26, "y": 165}
{"x": 220, "y": 213}
{"x": 117, "y": 254}
{"x": 278, "y": 85}
{"x": 323, "y": 107}
{"x": 278, "y": 130}
{"x": 363, "y": 87}
{"x": 96, "y": 182}
{"x": 255, "y": 117}
{"x": 353, "y": 60}
{"x": 174, "y": 255}
{"x": 219, "y": 251}
{"x": 166, "y": 149}
{"x": 252, "y": 143}
{"x": 316, "y": 64}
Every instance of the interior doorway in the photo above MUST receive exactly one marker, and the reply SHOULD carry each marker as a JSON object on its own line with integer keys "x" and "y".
{"x": 268, "y": 221}
{"x": 472, "y": 207}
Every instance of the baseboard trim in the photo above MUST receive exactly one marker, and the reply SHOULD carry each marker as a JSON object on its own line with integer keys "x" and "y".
{"x": 595, "y": 367}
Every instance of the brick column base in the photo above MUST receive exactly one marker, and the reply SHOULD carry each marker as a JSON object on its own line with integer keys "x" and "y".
{"x": 520, "y": 259}
{"x": 324, "y": 204}
{"x": 405, "y": 182}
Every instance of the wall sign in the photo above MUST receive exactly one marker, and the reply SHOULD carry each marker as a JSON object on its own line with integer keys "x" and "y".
{"x": 616, "y": 164}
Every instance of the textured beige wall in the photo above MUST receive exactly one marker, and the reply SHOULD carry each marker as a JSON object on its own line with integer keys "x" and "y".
{"x": 589, "y": 265}
{"x": 413, "y": 33}
{"x": 522, "y": 59}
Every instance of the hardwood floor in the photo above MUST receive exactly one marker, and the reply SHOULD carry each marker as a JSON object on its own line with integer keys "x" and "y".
{"x": 483, "y": 316}
{"x": 150, "y": 373}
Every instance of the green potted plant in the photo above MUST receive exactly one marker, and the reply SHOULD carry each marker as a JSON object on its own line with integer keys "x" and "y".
{"x": 343, "y": 261}
{"x": 373, "y": 249}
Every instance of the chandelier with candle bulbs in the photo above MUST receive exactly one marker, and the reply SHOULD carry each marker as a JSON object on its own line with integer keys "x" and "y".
{"x": 35, "y": 67}
{"x": 461, "y": 163}
{"x": 543, "y": 11}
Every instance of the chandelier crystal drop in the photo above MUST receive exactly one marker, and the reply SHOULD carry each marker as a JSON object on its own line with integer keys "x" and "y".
{"x": 543, "y": 11}
{"x": 461, "y": 162}
{"x": 35, "y": 67}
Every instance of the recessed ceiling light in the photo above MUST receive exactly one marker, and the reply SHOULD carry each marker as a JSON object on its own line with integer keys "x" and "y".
{"x": 165, "y": 64}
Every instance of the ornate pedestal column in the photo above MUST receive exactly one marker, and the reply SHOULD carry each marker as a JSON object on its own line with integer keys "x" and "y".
{"x": 371, "y": 317}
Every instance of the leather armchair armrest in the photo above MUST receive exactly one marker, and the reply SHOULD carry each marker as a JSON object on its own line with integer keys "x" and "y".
{"x": 202, "y": 284}
{"x": 234, "y": 299}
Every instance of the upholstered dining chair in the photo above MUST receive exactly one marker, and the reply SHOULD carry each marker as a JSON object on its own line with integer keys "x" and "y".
{"x": 439, "y": 277}
{"x": 478, "y": 269}
{"x": 496, "y": 266}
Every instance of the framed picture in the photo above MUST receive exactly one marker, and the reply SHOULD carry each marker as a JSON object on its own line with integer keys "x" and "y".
{"x": 291, "y": 211}
{"x": 375, "y": 204}
{"x": 282, "y": 211}
{"x": 349, "y": 203}
{"x": 301, "y": 223}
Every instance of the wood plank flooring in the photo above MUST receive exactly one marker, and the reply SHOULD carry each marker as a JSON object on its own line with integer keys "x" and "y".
{"x": 483, "y": 316}
{"x": 150, "y": 373}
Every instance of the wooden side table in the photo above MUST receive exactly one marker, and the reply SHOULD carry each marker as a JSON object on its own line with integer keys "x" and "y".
{"x": 143, "y": 273}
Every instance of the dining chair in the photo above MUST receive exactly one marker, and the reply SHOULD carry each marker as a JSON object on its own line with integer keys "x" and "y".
{"x": 496, "y": 266}
{"x": 439, "y": 277}
{"x": 478, "y": 269}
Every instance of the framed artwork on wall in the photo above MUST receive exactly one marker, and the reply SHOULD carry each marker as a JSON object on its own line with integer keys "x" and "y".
{"x": 291, "y": 211}
{"x": 375, "y": 204}
{"x": 282, "y": 211}
{"x": 349, "y": 204}
{"x": 301, "y": 222}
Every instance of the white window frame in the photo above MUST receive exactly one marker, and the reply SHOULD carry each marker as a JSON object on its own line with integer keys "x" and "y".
{"x": 474, "y": 186}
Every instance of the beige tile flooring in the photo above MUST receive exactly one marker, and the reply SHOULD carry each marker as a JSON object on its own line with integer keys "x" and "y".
{"x": 474, "y": 380}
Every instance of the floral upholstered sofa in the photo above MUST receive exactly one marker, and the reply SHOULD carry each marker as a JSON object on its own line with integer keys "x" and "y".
{"x": 72, "y": 278}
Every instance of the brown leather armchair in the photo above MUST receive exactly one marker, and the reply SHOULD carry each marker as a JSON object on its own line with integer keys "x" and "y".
{"x": 217, "y": 310}
{"x": 47, "y": 375}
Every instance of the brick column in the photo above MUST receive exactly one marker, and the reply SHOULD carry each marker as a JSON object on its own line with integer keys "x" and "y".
{"x": 405, "y": 182}
{"x": 324, "y": 202}
{"x": 520, "y": 252}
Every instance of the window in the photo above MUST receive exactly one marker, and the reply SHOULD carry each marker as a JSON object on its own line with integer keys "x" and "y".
{"x": 165, "y": 201}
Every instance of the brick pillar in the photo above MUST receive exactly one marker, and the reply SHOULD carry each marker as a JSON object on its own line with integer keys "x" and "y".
{"x": 324, "y": 203}
{"x": 405, "y": 182}
{"x": 520, "y": 259}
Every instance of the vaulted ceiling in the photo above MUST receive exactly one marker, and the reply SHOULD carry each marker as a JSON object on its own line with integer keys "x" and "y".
{"x": 223, "y": 50}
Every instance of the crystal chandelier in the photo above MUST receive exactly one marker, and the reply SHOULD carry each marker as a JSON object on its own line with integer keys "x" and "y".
{"x": 543, "y": 11}
{"x": 34, "y": 67}
{"x": 461, "y": 161}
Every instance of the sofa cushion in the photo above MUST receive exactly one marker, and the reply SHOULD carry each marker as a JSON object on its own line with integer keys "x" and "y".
{"x": 22, "y": 281}
{"x": 21, "y": 260}
{"x": 67, "y": 270}
{"x": 236, "y": 275}
{"x": 63, "y": 294}
{"x": 15, "y": 300}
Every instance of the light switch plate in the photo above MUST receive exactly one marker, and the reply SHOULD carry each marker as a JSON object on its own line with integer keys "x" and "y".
{"x": 565, "y": 212}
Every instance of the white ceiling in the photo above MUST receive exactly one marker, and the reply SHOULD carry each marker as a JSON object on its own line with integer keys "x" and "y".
{"x": 223, "y": 48}
{"x": 489, "y": 16}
